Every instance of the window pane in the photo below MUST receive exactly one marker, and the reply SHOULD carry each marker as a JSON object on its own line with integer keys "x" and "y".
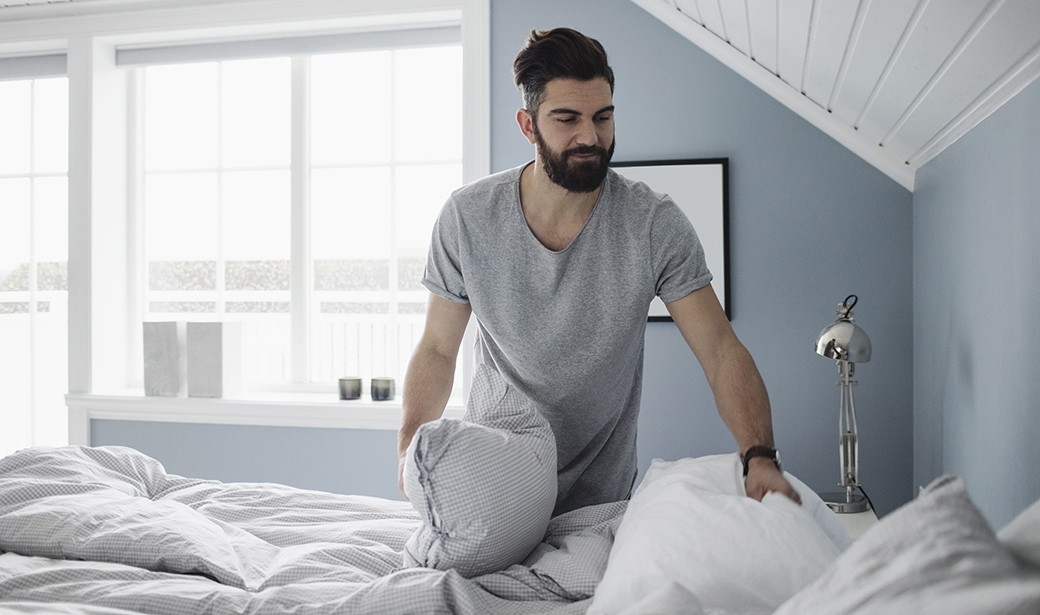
{"x": 33, "y": 226}
{"x": 350, "y": 108}
{"x": 266, "y": 350}
{"x": 50, "y": 233}
{"x": 14, "y": 239}
{"x": 350, "y": 231}
{"x": 15, "y": 131}
{"x": 52, "y": 215}
{"x": 350, "y": 216}
{"x": 428, "y": 104}
{"x": 181, "y": 219}
{"x": 182, "y": 275}
{"x": 256, "y": 215}
{"x": 181, "y": 116}
{"x": 181, "y": 233}
{"x": 181, "y": 307}
{"x": 50, "y": 372}
{"x": 15, "y": 382}
{"x": 256, "y": 248}
{"x": 258, "y": 275}
{"x": 420, "y": 191}
{"x": 51, "y": 125}
{"x": 257, "y": 267}
{"x": 50, "y": 325}
{"x": 256, "y": 102}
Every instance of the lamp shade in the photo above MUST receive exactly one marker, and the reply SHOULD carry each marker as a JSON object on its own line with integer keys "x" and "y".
{"x": 844, "y": 341}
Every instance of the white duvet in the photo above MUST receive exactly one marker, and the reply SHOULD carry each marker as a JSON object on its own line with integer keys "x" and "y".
{"x": 693, "y": 542}
{"x": 106, "y": 530}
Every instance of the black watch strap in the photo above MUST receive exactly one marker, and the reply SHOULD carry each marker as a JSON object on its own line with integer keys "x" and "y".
{"x": 761, "y": 451}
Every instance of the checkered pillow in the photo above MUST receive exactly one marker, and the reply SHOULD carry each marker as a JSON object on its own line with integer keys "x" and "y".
{"x": 485, "y": 487}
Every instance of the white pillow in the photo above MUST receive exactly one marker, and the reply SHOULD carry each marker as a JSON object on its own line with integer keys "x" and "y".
{"x": 484, "y": 487}
{"x": 1022, "y": 536}
{"x": 934, "y": 555}
{"x": 690, "y": 524}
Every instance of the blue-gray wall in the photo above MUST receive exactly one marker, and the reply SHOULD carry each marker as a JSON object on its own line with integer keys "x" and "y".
{"x": 976, "y": 300}
{"x": 809, "y": 224}
{"x": 353, "y": 461}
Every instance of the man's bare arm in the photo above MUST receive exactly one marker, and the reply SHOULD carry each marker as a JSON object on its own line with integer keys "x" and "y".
{"x": 431, "y": 371}
{"x": 740, "y": 394}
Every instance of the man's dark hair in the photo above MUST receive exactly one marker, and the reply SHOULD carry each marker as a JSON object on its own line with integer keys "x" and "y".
{"x": 557, "y": 53}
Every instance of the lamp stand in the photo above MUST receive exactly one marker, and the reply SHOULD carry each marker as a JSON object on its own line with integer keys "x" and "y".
{"x": 848, "y": 501}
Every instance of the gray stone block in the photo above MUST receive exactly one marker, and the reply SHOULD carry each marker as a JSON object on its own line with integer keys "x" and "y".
{"x": 164, "y": 358}
{"x": 214, "y": 359}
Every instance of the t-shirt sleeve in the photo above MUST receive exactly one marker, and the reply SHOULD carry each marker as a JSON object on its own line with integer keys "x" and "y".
{"x": 443, "y": 274}
{"x": 677, "y": 254}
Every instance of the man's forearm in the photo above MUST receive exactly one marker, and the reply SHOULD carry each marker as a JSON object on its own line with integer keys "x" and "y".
{"x": 740, "y": 394}
{"x": 427, "y": 387}
{"x": 743, "y": 404}
{"x": 741, "y": 398}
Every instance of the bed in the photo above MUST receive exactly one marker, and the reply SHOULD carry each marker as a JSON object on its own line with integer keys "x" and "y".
{"x": 106, "y": 530}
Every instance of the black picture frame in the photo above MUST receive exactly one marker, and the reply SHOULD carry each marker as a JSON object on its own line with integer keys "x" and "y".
{"x": 700, "y": 187}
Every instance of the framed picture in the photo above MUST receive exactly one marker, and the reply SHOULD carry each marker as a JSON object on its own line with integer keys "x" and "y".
{"x": 701, "y": 189}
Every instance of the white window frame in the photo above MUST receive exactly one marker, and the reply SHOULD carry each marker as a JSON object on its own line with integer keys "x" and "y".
{"x": 302, "y": 317}
{"x": 100, "y": 254}
{"x": 32, "y": 69}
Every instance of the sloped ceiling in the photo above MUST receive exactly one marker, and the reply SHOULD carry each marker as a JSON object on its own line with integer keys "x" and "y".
{"x": 895, "y": 81}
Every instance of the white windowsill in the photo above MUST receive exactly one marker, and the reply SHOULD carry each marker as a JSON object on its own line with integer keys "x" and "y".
{"x": 254, "y": 408}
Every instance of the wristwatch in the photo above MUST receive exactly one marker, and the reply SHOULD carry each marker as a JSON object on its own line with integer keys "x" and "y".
{"x": 761, "y": 451}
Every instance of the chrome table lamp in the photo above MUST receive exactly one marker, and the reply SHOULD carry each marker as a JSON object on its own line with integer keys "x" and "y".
{"x": 847, "y": 344}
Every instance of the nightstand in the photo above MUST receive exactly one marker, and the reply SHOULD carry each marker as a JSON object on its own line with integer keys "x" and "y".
{"x": 858, "y": 523}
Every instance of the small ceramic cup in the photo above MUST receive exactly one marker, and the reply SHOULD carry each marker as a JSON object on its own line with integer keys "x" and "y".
{"x": 350, "y": 388}
{"x": 382, "y": 389}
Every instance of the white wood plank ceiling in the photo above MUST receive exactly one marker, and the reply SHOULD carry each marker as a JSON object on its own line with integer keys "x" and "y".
{"x": 895, "y": 81}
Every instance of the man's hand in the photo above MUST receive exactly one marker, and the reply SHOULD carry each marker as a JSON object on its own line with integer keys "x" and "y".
{"x": 763, "y": 477}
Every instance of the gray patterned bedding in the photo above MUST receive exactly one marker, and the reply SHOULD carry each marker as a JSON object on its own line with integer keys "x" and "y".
{"x": 107, "y": 531}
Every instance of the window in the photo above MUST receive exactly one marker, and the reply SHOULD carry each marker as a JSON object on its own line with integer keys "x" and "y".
{"x": 217, "y": 201}
{"x": 33, "y": 262}
{"x": 72, "y": 299}
{"x": 386, "y": 130}
{"x": 365, "y": 144}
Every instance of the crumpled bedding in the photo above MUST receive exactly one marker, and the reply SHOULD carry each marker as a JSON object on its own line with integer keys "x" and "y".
{"x": 106, "y": 530}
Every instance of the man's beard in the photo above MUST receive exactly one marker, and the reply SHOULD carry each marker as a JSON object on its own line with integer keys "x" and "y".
{"x": 579, "y": 176}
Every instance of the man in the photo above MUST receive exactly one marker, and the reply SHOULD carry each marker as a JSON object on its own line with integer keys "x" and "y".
{"x": 559, "y": 260}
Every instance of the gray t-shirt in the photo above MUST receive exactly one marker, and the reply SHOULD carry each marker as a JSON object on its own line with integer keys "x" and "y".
{"x": 566, "y": 328}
